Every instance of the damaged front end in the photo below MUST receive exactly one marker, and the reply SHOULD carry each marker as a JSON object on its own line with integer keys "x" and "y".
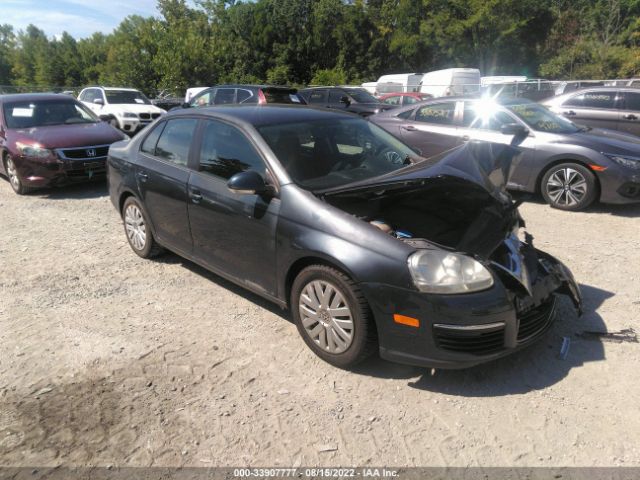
{"x": 458, "y": 208}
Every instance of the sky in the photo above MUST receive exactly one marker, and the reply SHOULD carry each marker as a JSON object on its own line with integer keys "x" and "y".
{"x": 78, "y": 17}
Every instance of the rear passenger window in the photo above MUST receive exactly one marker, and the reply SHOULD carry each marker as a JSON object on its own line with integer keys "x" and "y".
{"x": 592, "y": 100}
{"x": 149, "y": 144}
{"x": 175, "y": 140}
{"x": 632, "y": 101}
{"x": 244, "y": 95}
{"x": 409, "y": 100}
{"x": 225, "y": 96}
{"x": 441, "y": 113}
{"x": 226, "y": 151}
{"x": 392, "y": 100}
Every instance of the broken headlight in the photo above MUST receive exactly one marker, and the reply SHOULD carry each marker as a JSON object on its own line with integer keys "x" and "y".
{"x": 437, "y": 271}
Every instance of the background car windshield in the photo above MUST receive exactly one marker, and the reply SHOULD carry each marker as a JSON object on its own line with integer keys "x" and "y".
{"x": 362, "y": 96}
{"x": 543, "y": 120}
{"x": 323, "y": 154}
{"x": 126, "y": 96}
{"x": 41, "y": 113}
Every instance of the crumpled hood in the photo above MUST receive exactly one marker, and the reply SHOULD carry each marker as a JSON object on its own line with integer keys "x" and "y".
{"x": 604, "y": 141}
{"x": 483, "y": 163}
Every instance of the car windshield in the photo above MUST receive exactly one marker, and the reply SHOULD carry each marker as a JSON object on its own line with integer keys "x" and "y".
{"x": 362, "y": 96}
{"x": 541, "y": 119}
{"x": 40, "y": 113}
{"x": 328, "y": 153}
{"x": 126, "y": 96}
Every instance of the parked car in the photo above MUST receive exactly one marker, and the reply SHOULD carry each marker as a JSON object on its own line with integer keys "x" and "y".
{"x": 129, "y": 109}
{"x": 401, "y": 99}
{"x": 51, "y": 139}
{"x": 569, "y": 164}
{"x": 615, "y": 108}
{"x": 245, "y": 94}
{"x": 572, "y": 86}
{"x": 398, "y": 82}
{"x": 451, "y": 82}
{"x": 532, "y": 89}
{"x": 351, "y": 99}
{"x": 370, "y": 246}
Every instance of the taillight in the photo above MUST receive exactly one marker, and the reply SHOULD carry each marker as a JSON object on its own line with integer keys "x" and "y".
{"x": 261, "y": 98}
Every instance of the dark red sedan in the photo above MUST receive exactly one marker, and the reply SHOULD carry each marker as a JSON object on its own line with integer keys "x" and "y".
{"x": 400, "y": 99}
{"x": 51, "y": 139}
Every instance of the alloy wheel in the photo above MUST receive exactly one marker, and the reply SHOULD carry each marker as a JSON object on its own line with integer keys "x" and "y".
{"x": 567, "y": 187}
{"x": 135, "y": 227}
{"x": 326, "y": 316}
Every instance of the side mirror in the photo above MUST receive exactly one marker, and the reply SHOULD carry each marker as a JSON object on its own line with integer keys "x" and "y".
{"x": 248, "y": 183}
{"x": 345, "y": 100}
{"x": 514, "y": 129}
{"x": 518, "y": 131}
{"x": 98, "y": 101}
{"x": 186, "y": 105}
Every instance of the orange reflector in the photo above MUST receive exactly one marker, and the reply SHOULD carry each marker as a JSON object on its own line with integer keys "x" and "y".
{"x": 409, "y": 321}
{"x": 597, "y": 168}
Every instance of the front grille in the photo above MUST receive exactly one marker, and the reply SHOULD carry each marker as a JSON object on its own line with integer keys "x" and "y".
{"x": 477, "y": 340}
{"x": 536, "y": 320}
{"x": 84, "y": 153}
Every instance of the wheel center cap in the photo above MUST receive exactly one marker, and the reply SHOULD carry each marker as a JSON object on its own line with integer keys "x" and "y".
{"x": 324, "y": 317}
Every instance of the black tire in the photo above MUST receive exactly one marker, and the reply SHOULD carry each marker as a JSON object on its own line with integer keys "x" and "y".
{"x": 148, "y": 248}
{"x": 569, "y": 186}
{"x": 364, "y": 338}
{"x": 14, "y": 177}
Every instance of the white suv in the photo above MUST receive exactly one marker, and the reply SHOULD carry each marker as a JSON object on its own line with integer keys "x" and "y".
{"x": 128, "y": 109}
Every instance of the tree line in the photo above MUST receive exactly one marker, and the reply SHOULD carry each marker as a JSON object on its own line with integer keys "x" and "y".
{"x": 331, "y": 42}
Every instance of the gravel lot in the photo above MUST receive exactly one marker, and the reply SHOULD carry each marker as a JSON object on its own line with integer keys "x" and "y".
{"x": 108, "y": 359}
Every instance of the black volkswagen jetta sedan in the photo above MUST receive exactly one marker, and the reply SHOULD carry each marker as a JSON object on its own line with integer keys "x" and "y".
{"x": 369, "y": 245}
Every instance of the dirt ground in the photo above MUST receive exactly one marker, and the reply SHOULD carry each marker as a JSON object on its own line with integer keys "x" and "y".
{"x": 108, "y": 359}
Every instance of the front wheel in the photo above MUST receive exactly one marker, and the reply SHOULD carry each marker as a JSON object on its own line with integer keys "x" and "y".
{"x": 333, "y": 316}
{"x": 14, "y": 177}
{"x": 569, "y": 186}
{"x": 136, "y": 227}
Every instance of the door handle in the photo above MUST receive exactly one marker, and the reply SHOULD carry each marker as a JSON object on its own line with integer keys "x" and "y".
{"x": 631, "y": 116}
{"x": 143, "y": 176}
{"x": 409, "y": 128}
{"x": 569, "y": 113}
{"x": 195, "y": 196}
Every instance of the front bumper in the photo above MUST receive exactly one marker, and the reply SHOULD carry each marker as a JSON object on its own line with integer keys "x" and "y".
{"x": 619, "y": 185}
{"x": 458, "y": 331}
{"x": 38, "y": 173}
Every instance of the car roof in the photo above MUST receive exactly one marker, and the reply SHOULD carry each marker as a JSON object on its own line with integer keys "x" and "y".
{"x": 333, "y": 86}
{"x": 246, "y": 85}
{"x": 26, "y": 97}
{"x": 260, "y": 115}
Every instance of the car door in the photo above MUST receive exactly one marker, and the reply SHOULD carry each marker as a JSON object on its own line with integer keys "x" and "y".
{"x": 479, "y": 124}
{"x": 630, "y": 113}
{"x": 432, "y": 128}
{"x": 162, "y": 176}
{"x": 594, "y": 108}
{"x": 233, "y": 233}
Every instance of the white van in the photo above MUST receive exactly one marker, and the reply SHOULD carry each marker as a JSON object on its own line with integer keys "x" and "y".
{"x": 370, "y": 87}
{"x": 452, "y": 81}
{"x": 399, "y": 82}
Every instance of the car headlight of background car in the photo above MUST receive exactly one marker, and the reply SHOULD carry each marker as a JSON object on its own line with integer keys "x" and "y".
{"x": 625, "y": 160}
{"x": 435, "y": 271}
{"x": 128, "y": 115}
{"x": 33, "y": 151}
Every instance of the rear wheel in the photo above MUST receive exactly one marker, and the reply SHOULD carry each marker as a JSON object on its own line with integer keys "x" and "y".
{"x": 333, "y": 316}
{"x": 14, "y": 177}
{"x": 136, "y": 227}
{"x": 569, "y": 186}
